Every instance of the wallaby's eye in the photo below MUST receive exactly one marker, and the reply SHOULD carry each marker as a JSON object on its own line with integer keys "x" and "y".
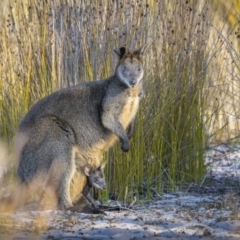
{"x": 139, "y": 69}
{"x": 95, "y": 179}
{"x": 124, "y": 69}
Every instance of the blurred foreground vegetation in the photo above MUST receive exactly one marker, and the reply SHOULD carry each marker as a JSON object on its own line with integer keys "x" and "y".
{"x": 191, "y": 77}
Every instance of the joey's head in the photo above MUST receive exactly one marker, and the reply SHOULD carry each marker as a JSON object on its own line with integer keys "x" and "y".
{"x": 130, "y": 68}
{"x": 96, "y": 176}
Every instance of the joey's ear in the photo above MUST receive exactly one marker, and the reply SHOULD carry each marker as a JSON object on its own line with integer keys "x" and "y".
{"x": 121, "y": 51}
{"x": 103, "y": 165}
{"x": 141, "y": 50}
{"x": 88, "y": 169}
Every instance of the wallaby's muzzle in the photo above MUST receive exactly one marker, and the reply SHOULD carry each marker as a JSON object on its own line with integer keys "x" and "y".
{"x": 133, "y": 82}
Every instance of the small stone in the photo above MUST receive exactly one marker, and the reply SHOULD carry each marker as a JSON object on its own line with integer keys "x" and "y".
{"x": 169, "y": 196}
{"x": 202, "y": 209}
{"x": 206, "y": 232}
{"x": 209, "y": 214}
{"x": 188, "y": 217}
{"x": 218, "y": 204}
{"x": 72, "y": 220}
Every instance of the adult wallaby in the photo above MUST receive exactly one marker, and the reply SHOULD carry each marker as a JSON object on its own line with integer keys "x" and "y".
{"x": 72, "y": 127}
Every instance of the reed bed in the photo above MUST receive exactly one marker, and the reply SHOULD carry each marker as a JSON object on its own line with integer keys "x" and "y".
{"x": 48, "y": 45}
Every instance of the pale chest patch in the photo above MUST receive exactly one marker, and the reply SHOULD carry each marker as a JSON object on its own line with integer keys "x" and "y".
{"x": 130, "y": 108}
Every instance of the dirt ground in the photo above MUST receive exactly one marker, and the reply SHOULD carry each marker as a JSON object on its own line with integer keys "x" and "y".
{"x": 208, "y": 210}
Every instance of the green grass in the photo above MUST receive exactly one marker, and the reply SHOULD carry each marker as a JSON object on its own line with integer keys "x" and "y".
{"x": 190, "y": 81}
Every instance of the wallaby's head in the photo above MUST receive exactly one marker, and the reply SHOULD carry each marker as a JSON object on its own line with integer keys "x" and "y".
{"x": 96, "y": 176}
{"x": 129, "y": 69}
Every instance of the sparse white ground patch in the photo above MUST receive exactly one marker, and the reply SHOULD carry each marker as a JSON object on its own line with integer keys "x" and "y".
{"x": 206, "y": 211}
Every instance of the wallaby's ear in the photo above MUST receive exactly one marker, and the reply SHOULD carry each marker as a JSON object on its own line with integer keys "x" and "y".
{"x": 103, "y": 165}
{"x": 141, "y": 50}
{"x": 121, "y": 51}
{"x": 88, "y": 169}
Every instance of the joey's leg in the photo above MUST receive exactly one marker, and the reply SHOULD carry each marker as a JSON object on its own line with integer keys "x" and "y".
{"x": 87, "y": 195}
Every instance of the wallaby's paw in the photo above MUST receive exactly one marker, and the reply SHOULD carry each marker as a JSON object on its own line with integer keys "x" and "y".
{"x": 125, "y": 147}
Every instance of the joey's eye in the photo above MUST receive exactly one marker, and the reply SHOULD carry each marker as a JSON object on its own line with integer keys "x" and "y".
{"x": 139, "y": 69}
{"x": 124, "y": 68}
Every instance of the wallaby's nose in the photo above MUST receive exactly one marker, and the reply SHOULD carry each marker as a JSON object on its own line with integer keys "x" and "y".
{"x": 132, "y": 82}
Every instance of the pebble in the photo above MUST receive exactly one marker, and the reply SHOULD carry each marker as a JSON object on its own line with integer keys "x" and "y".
{"x": 168, "y": 196}
{"x": 72, "y": 220}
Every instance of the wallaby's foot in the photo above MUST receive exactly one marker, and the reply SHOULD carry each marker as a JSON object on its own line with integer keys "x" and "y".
{"x": 86, "y": 209}
{"x": 64, "y": 207}
{"x": 93, "y": 210}
{"x": 110, "y": 208}
{"x": 125, "y": 146}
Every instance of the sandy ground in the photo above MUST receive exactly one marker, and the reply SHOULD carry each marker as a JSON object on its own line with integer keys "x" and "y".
{"x": 209, "y": 210}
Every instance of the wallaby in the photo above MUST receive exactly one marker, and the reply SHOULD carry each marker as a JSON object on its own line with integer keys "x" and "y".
{"x": 74, "y": 126}
{"x": 95, "y": 178}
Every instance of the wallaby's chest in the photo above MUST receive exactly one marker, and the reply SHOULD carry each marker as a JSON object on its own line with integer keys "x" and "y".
{"x": 130, "y": 107}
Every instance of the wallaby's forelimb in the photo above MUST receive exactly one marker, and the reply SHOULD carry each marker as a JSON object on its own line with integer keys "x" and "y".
{"x": 87, "y": 195}
{"x": 110, "y": 120}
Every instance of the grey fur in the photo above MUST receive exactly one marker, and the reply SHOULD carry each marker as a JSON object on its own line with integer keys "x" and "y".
{"x": 72, "y": 127}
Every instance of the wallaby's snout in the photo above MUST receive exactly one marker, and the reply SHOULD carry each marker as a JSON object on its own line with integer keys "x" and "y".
{"x": 133, "y": 81}
{"x": 130, "y": 72}
{"x": 99, "y": 182}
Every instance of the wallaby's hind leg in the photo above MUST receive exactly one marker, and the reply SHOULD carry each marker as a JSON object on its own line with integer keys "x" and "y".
{"x": 52, "y": 166}
{"x": 57, "y": 191}
{"x": 65, "y": 201}
{"x": 48, "y": 158}
{"x": 61, "y": 172}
